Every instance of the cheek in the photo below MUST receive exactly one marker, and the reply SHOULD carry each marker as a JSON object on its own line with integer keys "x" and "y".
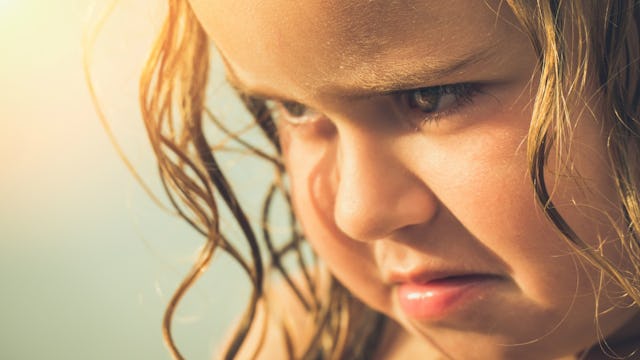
{"x": 310, "y": 162}
{"x": 483, "y": 180}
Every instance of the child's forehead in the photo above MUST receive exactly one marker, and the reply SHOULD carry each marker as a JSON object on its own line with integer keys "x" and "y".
{"x": 335, "y": 39}
{"x": 365, "y": 24}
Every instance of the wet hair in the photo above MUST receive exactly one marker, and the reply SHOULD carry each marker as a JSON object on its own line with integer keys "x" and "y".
{"x": 589, "y": 49}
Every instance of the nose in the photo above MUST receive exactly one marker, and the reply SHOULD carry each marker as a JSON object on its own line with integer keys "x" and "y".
{"x": 377, "y": 192}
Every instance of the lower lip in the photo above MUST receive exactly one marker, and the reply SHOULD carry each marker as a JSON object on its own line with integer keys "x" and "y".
{"x": 437, "y": 298}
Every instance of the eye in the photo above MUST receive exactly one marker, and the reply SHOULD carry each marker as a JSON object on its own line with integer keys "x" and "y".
{"x": 437, "y": 101}
{"x": 292, "y": 112}
{"x": 294, "y": 109}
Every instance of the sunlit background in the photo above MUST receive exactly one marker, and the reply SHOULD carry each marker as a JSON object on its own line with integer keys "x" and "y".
{"x": 87, "y": 260}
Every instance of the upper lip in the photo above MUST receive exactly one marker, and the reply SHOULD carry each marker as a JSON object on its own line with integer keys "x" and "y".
{"x": 423, "y": 276}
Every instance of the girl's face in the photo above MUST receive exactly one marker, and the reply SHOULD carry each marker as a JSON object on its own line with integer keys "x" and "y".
{"x": 408, "y": 167}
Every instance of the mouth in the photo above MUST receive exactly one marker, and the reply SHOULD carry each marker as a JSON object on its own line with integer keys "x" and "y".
{"x": 438, "y": 297}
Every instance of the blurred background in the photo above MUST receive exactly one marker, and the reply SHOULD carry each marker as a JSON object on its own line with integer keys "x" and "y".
{"x": 87, "y": 260}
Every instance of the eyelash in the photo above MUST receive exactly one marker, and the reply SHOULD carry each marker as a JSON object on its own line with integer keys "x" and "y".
{"x": 463, "y": 93}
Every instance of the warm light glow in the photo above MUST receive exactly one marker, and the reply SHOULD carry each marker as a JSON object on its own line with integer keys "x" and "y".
{"x": 8, "y": 9}
{"x": 79, "y": 240}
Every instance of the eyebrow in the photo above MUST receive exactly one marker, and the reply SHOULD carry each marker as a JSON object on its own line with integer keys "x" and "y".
{"x": 430, "y": 73}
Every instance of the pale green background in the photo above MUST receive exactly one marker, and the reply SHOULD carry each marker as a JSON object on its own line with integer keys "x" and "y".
{"x": 87, "y": 261}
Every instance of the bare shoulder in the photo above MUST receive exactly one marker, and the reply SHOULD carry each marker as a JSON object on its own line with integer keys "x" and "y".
{"x": 282, "y": 325}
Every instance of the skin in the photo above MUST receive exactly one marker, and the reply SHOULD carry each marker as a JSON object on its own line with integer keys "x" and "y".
{"x": 379, "y": 192}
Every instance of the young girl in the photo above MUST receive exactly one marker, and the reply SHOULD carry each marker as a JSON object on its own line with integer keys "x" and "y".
{"x": 465, "y": 171}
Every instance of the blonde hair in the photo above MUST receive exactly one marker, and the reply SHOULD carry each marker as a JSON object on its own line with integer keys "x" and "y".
{"x": 577, "y": 43}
